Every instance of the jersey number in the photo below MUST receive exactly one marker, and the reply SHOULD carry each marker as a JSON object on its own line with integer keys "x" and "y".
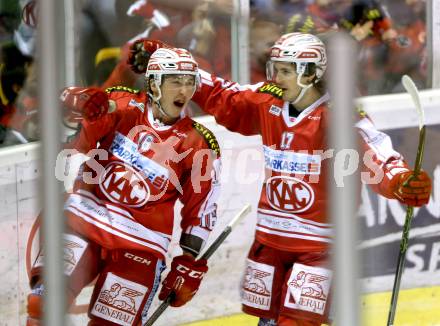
{"x": 286, "y": 140}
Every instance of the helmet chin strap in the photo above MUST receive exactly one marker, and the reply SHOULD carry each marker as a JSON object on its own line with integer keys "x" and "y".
{"x": 304, "y": 89}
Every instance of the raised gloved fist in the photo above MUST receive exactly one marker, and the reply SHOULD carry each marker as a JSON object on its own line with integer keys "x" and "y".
{"x": 183, "y": 280}
{"x": 141, "y": 51}
{"x": 88, "y": 103}
{"x": 410, "y": 189}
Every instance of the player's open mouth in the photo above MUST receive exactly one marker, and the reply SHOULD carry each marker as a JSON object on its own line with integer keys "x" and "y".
{"x": 179, "y": 103}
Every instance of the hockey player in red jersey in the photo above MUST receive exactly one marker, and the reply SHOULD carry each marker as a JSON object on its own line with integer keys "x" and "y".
{"x": 287, "y": 279}
{"x": 145, "y": 155}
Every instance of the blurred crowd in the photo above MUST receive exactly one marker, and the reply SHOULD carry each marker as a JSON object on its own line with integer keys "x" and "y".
{"x": 390, "y": 34}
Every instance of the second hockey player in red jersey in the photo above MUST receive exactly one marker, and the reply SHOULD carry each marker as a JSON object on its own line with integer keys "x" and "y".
{"x": 287, "y": 279}
{"x": 146, "y": 155}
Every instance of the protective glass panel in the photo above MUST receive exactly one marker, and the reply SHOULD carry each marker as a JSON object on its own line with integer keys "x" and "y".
{"x": 392, "y": 41}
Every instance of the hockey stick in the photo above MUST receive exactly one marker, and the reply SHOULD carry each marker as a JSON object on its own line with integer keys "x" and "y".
{"x": 412, "y": 90}
{"x": 212, "y": 248}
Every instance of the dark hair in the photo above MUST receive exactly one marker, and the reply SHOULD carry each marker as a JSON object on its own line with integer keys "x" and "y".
{"x": 14, "y": 69}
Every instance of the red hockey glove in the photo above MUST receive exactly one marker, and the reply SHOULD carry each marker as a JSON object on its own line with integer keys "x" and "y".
{"x": 88, "y": 103}
{"x": 184, "y": 279}
{"x": 412, "y": 190}
{"x": 140, "y": 52}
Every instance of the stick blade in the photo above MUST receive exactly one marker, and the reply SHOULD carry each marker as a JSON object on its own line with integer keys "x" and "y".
{"x": 412, "y": 90}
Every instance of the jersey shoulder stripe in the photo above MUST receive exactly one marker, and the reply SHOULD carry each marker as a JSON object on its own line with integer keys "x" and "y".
{"x": 209, "y": 137}
{"x": 121, "y": 89}
{"x": 271, "y": 89}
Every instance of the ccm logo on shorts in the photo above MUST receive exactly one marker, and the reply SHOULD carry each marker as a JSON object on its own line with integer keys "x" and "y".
{"x": 119, "y": 300}
{"x": 137, "y": 258}
{"x": 308, "y": 288}
{"x": 256, "y": 290}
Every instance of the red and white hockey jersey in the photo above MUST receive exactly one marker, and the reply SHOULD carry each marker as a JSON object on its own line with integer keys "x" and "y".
{"x": 125, "y": 197}
{"x": 292, "y": 211}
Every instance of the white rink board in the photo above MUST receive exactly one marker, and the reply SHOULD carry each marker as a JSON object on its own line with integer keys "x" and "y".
{"x": 241, "y": 180}
{"x": 18, "y": 207}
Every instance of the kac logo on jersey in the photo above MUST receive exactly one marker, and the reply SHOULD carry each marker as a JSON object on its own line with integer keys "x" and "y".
{"x": 289, "y": 194}
{"x": 122, "y": 184}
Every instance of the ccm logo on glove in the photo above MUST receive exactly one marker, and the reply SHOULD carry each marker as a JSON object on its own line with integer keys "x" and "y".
{"x": 191, "y": 273}
{"x": 183, "y": 280}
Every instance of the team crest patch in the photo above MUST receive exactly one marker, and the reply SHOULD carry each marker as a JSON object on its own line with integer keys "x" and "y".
{"x": 209, "y": 137}
{"x": 271, "y": 89}
{"x": 122, "y": 89}
{"x": 119, "y": 300}
{"x": 308, "y": 288}
{"x": 140, "y": 106}
{"x": 257, "y": 283}
{"x": 275, "y": 110}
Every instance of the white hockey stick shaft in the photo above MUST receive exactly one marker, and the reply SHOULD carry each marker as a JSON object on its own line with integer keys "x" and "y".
{"x": 412, "y": 90}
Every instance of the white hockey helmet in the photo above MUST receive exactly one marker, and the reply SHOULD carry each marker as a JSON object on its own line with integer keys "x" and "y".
{"x": 301, "y": 49}
{"x": 172, "y": 61}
